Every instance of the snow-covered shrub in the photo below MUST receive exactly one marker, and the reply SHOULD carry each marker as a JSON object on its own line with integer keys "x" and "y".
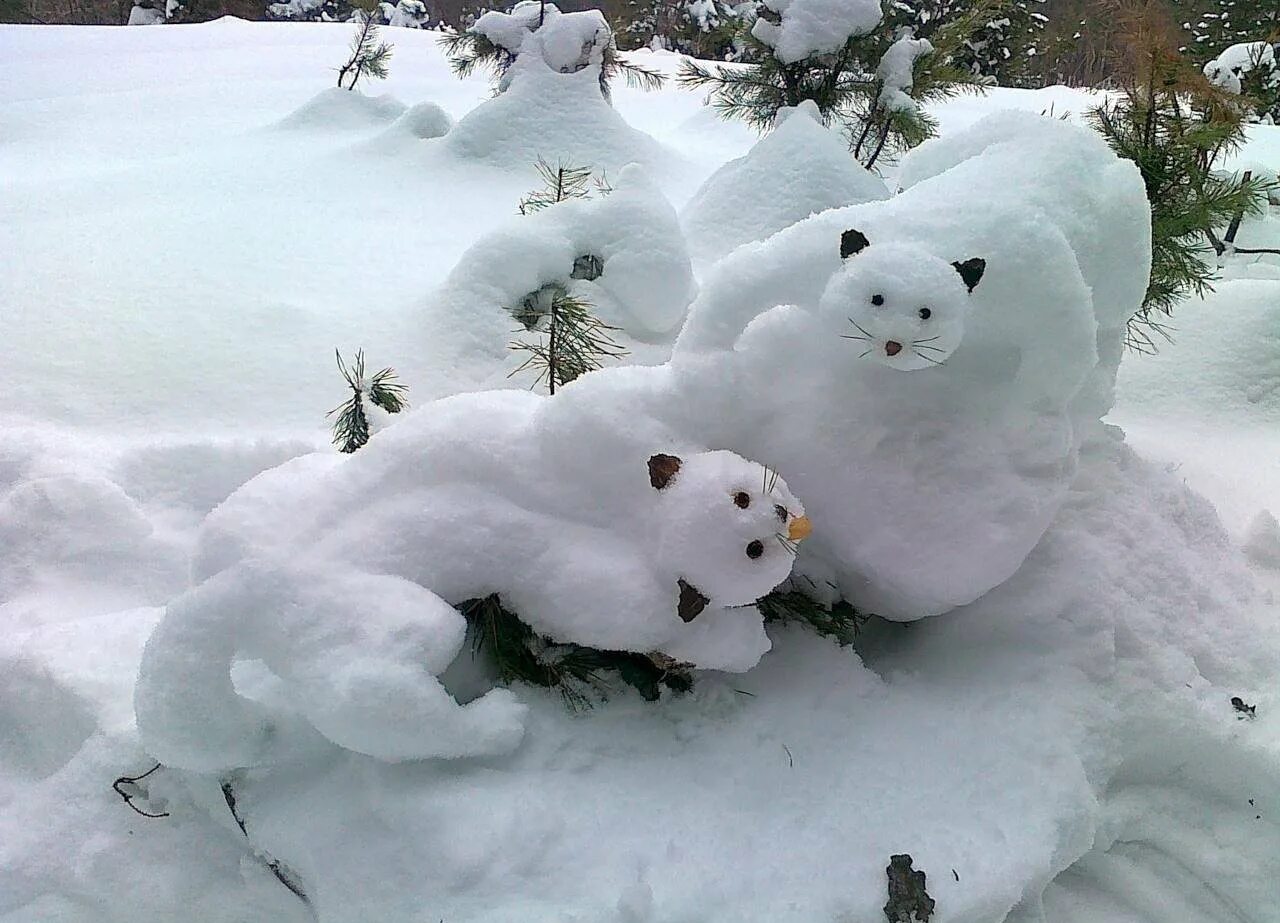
{"x": 640, "y": 279}
{"x": 310, "y": 10}
{"x": 408, "y": 14}
{"x": 565, "y": 43}
{"x": 1250, "y": 70}
{"x": 1001, "y": 38}
{"x": 145, "y": 13}
{"x": 822, "y": 51}
{"x": 1170, "y": 121}
{"x": 801, "y": 167}
{"x": 706, "y": 29}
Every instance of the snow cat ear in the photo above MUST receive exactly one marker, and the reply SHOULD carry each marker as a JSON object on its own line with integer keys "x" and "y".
{"x": 971, "y": 271}
{"x": 662, "y": 468}
{"x": 691, "y": 603}
{"x": 852, "y": 242}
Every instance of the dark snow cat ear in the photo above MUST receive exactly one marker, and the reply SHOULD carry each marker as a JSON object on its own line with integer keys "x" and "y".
{"x": 852, "y": 242}
{"x": 691, "y": 603}
{"x": 662, "y": 468}
{"x": 971, "y": 271}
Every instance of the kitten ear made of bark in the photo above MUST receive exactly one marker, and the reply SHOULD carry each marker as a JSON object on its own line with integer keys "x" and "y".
{"x": 852, "y": 242}
{"x": 662, "y": 468}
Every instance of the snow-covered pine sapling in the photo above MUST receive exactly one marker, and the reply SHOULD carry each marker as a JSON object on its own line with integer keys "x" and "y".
{"x": 573, "y": 341}
{"x": 559, "y": 184}
{"x": 1176, "y": 126}
{"x": 369, "y": 57}
{"x": 567, "y": 43}
{"x": 860, "y": 71}
{"x": 351, "y": 426}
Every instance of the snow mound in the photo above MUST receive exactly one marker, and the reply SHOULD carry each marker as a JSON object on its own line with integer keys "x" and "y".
{"x": 356, "y": 654}
{"x": 1224, "y": 361}
{"x": 810, "y": 27}
{"x": 554, "y": 116}
{"x": 83, "y": 528}
{"x": 623, "y": 253}
{"x": 336, "y": 109}
{"x": 1262, "y": 541}
{"x": 799, "y": 168}
{"x": 564, "y": 42}
{"x": 42, "y": 723}
{"x": 687, "y": 547}
{"x": 977, "y": 452}
{"x": 423, "y": 121}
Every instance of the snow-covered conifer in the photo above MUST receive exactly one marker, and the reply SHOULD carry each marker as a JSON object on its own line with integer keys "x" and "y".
{"x": 368, "y": 55}
{"x": 351, "y": 426}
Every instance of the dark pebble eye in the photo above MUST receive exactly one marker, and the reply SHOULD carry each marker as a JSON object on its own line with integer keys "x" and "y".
{"x": 925, "y": 314}
{"x": 755, "y": 549}
{"x": 781, "y": 511}
{"x": 742, "y": 499}
{"x": 877, "y": 300}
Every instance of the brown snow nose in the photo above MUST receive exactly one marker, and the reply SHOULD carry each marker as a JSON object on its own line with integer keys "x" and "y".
{"x": 892, "y": 347}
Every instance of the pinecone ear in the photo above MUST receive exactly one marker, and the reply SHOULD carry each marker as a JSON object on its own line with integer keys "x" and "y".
{"x": 662, "y": 468}
{"x": 852, "y": 242}
{"x": 971, "y": 271}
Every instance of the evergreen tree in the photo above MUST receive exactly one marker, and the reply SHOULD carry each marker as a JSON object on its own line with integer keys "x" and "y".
{"x": 368, "y": 55}
{"x": 873, "y": 86}
{"x": 1176, "y": 126}
{"x": 706, "y": 29}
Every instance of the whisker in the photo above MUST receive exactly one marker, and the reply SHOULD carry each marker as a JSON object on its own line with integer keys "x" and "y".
{"x": 867, "y": 353}
{"x": 792, "y": 547}
{"x": 936, "y": 349}
{"x": 850, "y": 336}
{"x": 861, "y": 330}
{"x": 926, "y": 358}
{"x": 929, "y": 340}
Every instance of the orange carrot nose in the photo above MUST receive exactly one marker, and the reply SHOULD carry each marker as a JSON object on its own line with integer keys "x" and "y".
{"x": 799, "y": 529}
{"x": 892, "y": 347}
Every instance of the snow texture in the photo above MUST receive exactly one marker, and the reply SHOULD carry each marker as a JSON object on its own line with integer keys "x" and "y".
{"x": 1028, "y": 358}
{"x": 1262, "y": 543}
{"x": 812, "y": 27}
{"x": 895, "y": 73}
{"x": 801, "y": 167}
{"x": 644, "y": 286}
{"x": 347, "y": 110}
{"x": 564, "y": 42}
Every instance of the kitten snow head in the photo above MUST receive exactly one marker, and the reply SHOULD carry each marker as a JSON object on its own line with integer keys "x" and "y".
{"x": 727, "y": 528}
{"x": 898, "y": 304}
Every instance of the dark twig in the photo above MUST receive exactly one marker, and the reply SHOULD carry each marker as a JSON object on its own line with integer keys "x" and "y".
{"x": 128, "y": 799}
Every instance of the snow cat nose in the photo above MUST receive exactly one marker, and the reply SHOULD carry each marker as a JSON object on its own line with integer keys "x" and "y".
{"x": 892, "y": 347}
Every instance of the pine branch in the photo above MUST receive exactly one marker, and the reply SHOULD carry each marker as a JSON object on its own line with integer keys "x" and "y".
{"x": 366, "y": 56}
{"x": 560, "y": 183}
{"x": 841, "y": 621}
{"x": 351, "y": 426}
{"x": 576, "y": 342}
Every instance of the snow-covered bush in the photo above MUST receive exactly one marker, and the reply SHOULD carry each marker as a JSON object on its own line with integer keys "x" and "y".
{"x": 564, "y": 43}
{"x": 310, "y": 10}
{"x": 1001, "y": 37}
{"x": 822, "y": 51}
{"x": 1250, "y": 70}
{"x": 145, "y": 13}
{"x": 408, "y": 14}
{"x": 640, "y": 279}
{"x": 706, "y": 29}
{"x": 801, "y": 167}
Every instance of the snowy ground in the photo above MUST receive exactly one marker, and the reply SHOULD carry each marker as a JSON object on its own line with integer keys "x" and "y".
{"x": 184, "y": 244}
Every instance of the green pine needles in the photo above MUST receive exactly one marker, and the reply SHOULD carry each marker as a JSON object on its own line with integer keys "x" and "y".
{"x": 566, "y": 339}
{"x": 580, "y": 674}
{"x": 560, "y": 184}
{"x": 846, "y": 85}
{"x": 570, "y": 341}
{"x": 351, "y": 423}
{"x": 369, "y": 57}
{"x": 841, "y": 622}
{"x": 1176, "y": 127}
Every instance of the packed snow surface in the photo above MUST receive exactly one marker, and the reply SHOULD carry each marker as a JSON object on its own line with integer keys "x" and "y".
{"x": 184, "y": 259}
{"x": 812, "y": 27}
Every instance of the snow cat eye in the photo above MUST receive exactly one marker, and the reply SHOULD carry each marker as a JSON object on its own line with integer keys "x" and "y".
{"x": 742, "y": 499}
{"x": 925, "y": 314}
{"x": 781, "y": 511}
{"x": 877, "y": 300}
{"x": 755, "y": 549}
